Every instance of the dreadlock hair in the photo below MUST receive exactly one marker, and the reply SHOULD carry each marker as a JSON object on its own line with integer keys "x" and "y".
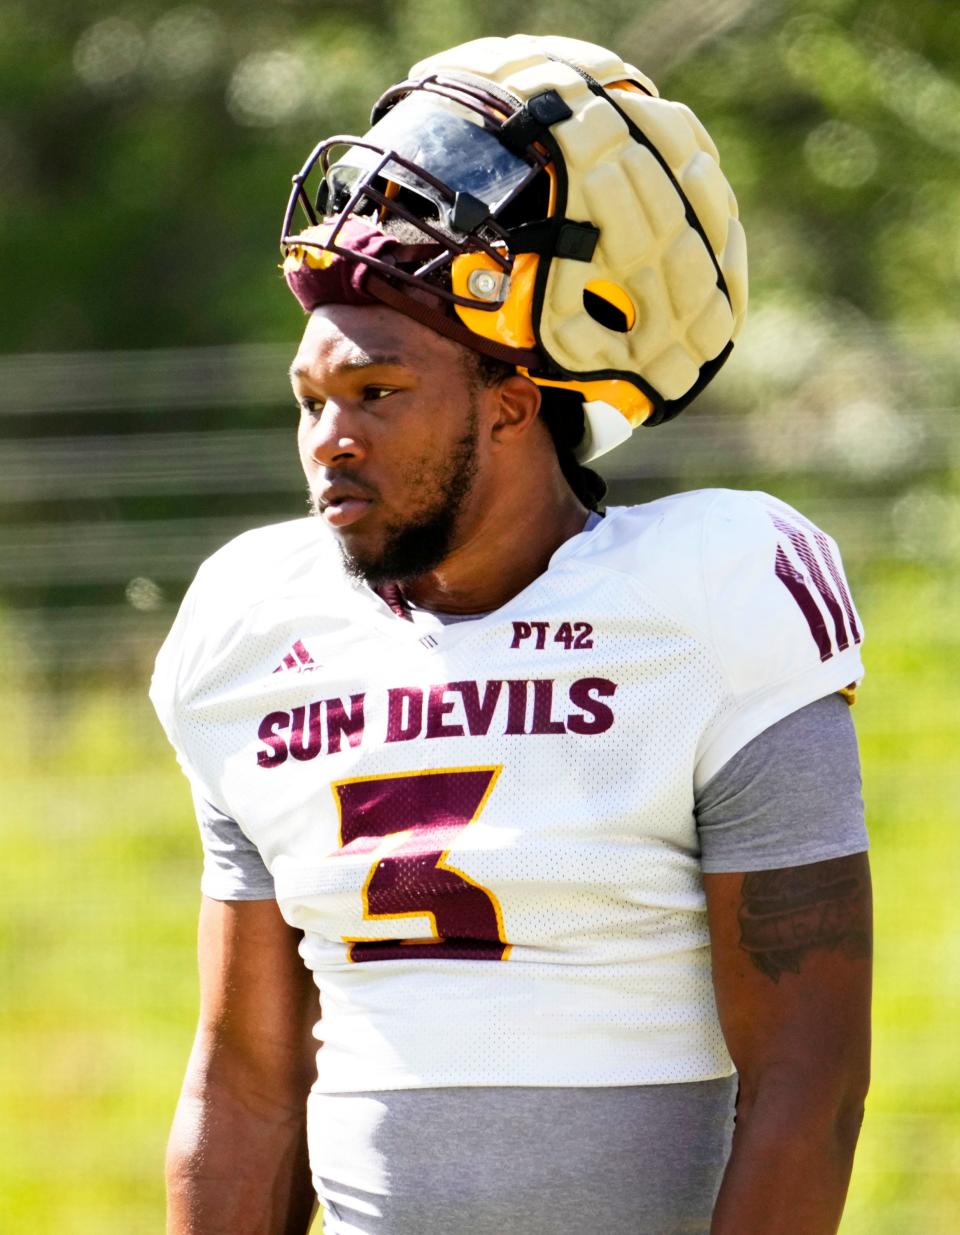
{"x": 562, "y": 413}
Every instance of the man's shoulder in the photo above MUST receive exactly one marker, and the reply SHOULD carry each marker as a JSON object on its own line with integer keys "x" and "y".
{"x": 677, "y": 530}
{"x": 725, "y": 560}
{"x": 251, "y": 579}
{"x": 266, "y": 566}
{"x": 245, "y": 590}
{"x": 265, "y": 562}
{"x": 678, "y": 511}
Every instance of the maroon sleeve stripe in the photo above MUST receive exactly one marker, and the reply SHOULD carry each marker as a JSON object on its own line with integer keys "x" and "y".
{"x": 793, "y": 581}
{"x": 824, "y": 546}
{"x": 805, "y": 554}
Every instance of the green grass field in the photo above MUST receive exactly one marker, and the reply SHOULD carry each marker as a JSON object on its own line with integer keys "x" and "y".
{"x": 100, "y": 869}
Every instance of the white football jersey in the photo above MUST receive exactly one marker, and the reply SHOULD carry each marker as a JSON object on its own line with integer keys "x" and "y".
{"x": 485, "y": 830}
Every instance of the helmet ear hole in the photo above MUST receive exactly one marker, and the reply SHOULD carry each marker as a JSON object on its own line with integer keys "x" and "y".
{"x": 609, "y": 305}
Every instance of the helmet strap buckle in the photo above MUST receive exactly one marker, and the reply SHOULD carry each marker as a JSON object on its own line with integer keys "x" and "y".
{"x": 529, "y": 123}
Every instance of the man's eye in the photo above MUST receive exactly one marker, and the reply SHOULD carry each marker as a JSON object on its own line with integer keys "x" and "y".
{"x": 313, "y": 407}
{"x": 373, "y": 393}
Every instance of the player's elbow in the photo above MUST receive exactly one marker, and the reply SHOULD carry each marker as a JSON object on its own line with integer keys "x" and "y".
{"x": 820, "y": 1103}
{"x": 851, "y": 1106}
{"x": 845, "y": 1095}
{"x": 181, "y": 1165}
{"x": 189, "y": 1138}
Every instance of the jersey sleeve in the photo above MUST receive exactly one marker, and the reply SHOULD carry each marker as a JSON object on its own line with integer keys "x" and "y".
{"x": 780, "y": 619}
{"x": 165, "y": 685}
{"x": 232, "y": 866}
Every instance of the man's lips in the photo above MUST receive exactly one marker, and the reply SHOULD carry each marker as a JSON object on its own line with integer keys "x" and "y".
{"x": 341, "y": 512}
{"x": 343, "y": 502}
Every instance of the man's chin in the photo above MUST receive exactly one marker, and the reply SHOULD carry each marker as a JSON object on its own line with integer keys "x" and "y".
{"x": 405, "y": 554}
{"x": 374, "y": 574}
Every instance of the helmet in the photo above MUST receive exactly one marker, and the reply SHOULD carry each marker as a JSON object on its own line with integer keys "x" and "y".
{"x": 536, "y": 200}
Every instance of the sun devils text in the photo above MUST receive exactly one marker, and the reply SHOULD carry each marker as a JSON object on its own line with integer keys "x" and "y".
{"x": 446, "y": 710}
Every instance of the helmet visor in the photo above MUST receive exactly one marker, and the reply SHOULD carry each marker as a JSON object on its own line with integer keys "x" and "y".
{"x": 443, "y": 138}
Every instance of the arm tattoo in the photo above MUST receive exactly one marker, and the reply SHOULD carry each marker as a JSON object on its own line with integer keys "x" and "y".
{"x": 784, "y": 914}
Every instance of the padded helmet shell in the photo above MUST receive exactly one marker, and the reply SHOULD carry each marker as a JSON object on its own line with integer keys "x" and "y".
{"x": 636, "y": 313}
{"x": 646, "y": 173}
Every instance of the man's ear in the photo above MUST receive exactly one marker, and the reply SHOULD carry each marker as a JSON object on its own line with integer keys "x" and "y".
{"x": 518, "y": 404}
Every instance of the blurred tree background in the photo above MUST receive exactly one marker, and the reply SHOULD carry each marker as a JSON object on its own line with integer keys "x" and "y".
{"x": 145, "y": 156}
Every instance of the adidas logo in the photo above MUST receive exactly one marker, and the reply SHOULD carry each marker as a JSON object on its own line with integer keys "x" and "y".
{"x": 299, "y": 660}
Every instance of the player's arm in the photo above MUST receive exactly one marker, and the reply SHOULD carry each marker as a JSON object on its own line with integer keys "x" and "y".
{"x": 791, "y": 957}
{"x": 237, "y": 1157}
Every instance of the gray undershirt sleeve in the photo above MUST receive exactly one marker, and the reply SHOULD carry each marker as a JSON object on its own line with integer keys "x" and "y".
{"x": 789, "y": 797}
{"x": 233, "y": 869}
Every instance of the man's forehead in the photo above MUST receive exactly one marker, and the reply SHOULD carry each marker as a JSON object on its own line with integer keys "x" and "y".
{"x": 344, "y": 337}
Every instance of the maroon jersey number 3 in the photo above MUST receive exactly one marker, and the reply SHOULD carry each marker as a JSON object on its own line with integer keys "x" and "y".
{"x": 407, "y": 823}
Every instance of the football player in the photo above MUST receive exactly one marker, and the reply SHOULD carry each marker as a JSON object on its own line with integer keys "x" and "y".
{"x": 545, "y": 820}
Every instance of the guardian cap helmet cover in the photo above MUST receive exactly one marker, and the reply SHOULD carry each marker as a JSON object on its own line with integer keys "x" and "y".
{"x": 535, "y": 199}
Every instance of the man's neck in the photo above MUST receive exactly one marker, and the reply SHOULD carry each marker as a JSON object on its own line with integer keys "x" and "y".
{"x": 503, "y": 555}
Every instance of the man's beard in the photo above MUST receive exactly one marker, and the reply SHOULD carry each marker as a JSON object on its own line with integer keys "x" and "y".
{"x": 414, "y": 548}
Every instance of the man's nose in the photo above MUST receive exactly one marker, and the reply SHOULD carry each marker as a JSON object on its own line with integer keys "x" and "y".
{"x": 334, "y": 437}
